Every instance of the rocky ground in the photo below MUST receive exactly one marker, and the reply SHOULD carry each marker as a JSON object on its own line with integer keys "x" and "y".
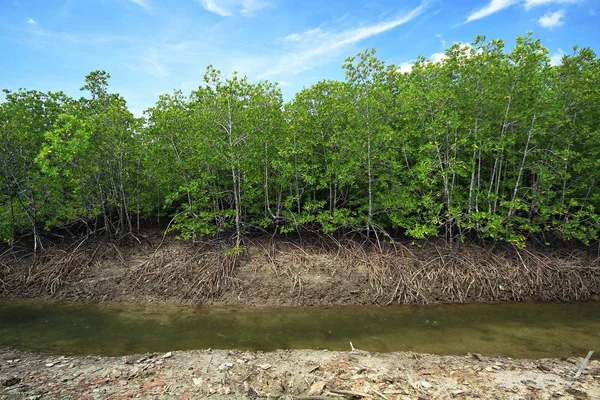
{"x": 296, "y": 374}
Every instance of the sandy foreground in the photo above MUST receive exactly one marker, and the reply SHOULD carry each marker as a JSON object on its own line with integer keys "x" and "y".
{"x": 293, "y": 374}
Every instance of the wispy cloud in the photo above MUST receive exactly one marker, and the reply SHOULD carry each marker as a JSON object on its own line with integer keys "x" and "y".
{"x": 442, "y": 41}
{"x": 317, "y": 45}
{"x": 552, "y": 20}
{"x": 493, "y": 7}
{"x": 226, "y": 8}
{"x": 498, "y": 5}
{"x": 141, "y": 3}
{"x": 30, "y": 21}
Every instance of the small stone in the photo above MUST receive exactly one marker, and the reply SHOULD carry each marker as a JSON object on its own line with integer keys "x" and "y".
{"x": 141, "y": 360}
{"x": 488, "y": 369}
{"x": 316, "y": 388}
{"x": 152, "y": 385}
{"x": 223, "y": 389}
{"x": 457, "y": 392}
{"x": 240, "y": 361}
{"x": 264, "y": 366}
{"x": 197, "y": 381}
{"x": 477, "y": 356}
{"x": 168, "y": 355}
{"x": 50, "y": 364}
{"x": 426, "y": 384}
{"x": 225, "y": 367}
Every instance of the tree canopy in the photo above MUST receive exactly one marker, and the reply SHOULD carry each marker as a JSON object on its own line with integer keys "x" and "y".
{"x": 485, "y": 143}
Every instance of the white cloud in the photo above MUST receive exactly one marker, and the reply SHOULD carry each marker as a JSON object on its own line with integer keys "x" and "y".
{"x": 498, "y": 5}
{"x": 317, "y": 45}
{"x": 556, "y": 58}
{"x": 437, "y": 57}
{"x": 30, "y": 21}
{"x": 226, "y": 8}
{"x": 493, "y": 7}
{"x": 141, "y": 3}
{"x": 406, "y": 66}
{"x": 552, "y": 20}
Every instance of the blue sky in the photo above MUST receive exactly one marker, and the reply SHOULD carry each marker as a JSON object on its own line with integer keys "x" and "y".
{"x": 151, "y": 47}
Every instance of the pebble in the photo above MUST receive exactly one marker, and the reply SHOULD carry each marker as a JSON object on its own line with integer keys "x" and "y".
{"x": 152, "y": 385}
{"x": 317, "y": 388}
{"x": 168, "y": 355}
{"x": 426, "y": 384}
{"x": 225, "y": 367}
{"x": 197, "y": 381}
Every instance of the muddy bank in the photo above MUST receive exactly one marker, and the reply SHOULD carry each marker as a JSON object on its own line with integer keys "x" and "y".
{"x": 279, "y": 272}
{"x": 299, "y": 374}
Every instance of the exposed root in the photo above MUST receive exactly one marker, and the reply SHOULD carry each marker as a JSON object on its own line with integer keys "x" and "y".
{"x": 186, "y": 274}
{"x": 276, "y": 271}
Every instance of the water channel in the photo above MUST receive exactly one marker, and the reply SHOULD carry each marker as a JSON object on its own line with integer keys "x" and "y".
{"x": 520, "y": 330}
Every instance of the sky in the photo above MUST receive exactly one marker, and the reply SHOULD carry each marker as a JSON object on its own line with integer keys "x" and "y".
{"x": 151, "y": 47}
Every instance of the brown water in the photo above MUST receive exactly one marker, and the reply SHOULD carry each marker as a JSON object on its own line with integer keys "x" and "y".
{"x": 524, "y": 330}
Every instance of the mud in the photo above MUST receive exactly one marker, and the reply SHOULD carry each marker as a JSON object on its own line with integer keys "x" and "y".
{"x": 278, "y": 272}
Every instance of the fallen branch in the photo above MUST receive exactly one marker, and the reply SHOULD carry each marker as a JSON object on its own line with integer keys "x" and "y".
{"x": 349, "y": 393}
{"x": 584, "y": 363}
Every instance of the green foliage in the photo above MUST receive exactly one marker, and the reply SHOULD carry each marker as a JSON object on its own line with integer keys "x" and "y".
{"x": 485, "y": 142}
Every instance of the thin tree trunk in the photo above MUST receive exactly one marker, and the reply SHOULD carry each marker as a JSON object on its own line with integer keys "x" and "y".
{"x": 511, "y": 210}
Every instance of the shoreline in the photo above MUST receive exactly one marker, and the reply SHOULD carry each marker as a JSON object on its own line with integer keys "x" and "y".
{"x": 293, "y": 374}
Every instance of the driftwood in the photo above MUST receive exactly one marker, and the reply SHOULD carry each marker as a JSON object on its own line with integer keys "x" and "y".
{"x": 584, "y": 363}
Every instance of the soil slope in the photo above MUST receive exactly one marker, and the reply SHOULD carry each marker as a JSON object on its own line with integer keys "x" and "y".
{"x": 279, "y": 272}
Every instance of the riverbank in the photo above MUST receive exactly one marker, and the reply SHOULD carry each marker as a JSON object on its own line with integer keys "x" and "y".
{"x": 297, "y": 374}
{"x": 276, "y": 272}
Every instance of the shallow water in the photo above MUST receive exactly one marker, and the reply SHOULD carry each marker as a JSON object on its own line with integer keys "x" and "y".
{"x": 523, "y": 330}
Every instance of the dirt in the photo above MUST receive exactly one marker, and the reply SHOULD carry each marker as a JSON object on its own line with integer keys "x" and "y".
{"x": 280, "y": 273}
{"x": 293, "y": 374}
